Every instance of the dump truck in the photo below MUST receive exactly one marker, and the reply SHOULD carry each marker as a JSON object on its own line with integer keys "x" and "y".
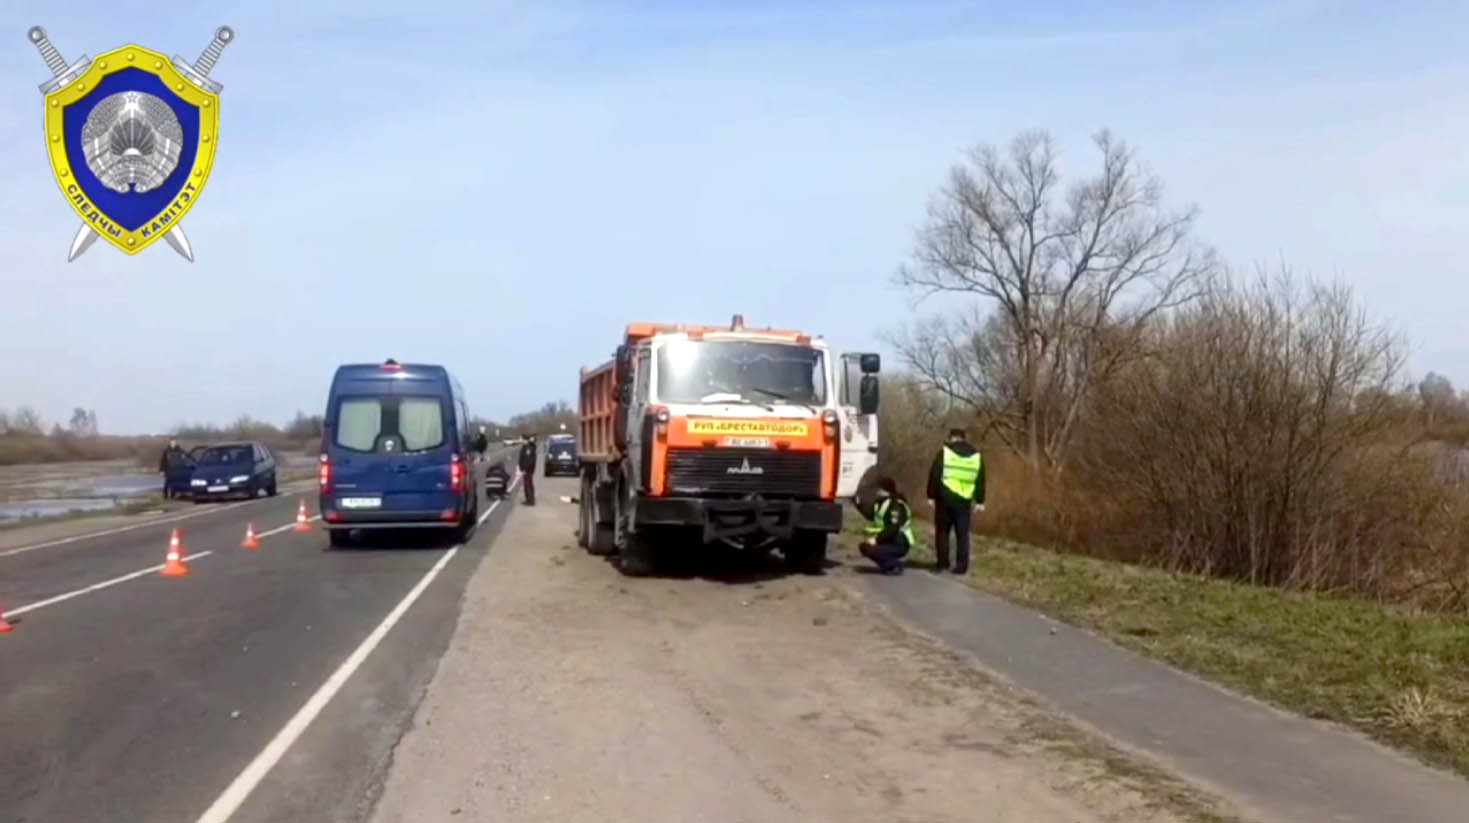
{"x": 692, "y": 436}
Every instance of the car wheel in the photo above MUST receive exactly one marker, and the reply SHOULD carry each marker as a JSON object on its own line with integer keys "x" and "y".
{"x": 339, "y": 538}
{"x": 271, "y": 489}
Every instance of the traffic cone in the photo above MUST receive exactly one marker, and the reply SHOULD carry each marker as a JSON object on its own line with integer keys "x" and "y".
{"x": 302, "y": 524}
{"x": 250, "y": 540}
{"x": 173, "y": 565}
{"x": 4, "y": 626}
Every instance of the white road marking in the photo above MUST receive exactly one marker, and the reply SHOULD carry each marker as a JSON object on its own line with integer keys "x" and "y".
{"x": 238, "y": 791}
{"x": 290, "y": 525}
{"x": 120, "y": 529}
{"x": 131, "y": 575}
{"x": 95, "y": 587}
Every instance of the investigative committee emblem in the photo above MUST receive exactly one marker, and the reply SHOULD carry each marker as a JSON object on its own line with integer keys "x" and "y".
{"x": 131, "y": 138}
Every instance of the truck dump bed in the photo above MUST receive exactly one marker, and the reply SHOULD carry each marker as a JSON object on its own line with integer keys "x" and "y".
{"x": 597, "y": 408}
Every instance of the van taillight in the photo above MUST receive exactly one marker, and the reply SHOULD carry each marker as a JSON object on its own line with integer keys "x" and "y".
{"x": 324, "y": 474}
{"x": 456, "y": 473}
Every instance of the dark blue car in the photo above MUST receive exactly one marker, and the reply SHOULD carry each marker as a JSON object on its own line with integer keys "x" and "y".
{"x": 394, "y": 452}
{"x": 232, "y": 470}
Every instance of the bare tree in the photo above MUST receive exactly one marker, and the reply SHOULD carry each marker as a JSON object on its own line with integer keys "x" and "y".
{"x": 27, "y": 420}
{"x": 1437, "y": 395}
{"x": 1072, "y": 279}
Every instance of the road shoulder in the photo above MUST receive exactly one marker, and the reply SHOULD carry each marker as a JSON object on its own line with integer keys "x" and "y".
{"x": 1278, "y": 765}
{"x": 569, "y": 693}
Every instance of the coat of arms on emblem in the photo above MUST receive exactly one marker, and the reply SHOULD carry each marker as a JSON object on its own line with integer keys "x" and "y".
{"x": 131, "y": 137}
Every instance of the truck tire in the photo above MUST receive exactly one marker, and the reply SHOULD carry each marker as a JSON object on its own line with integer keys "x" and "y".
{"x": 806, "y": 553}
{"x": 636, "y": 557}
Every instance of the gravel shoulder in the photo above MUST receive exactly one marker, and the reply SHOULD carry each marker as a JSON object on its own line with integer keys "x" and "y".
{"x": 733, "y": 693}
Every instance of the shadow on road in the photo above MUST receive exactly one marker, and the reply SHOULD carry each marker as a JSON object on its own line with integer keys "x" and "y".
{"x": 722, "y": 564}
{"x": 387, "y": 540}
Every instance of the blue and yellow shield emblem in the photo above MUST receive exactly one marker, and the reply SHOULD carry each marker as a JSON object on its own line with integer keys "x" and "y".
{"x": 131, "y": 137}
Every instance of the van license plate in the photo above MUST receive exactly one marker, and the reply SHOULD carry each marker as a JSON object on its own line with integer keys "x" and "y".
{"x": 360, "y": 502}
{"x": 747, "y": 442}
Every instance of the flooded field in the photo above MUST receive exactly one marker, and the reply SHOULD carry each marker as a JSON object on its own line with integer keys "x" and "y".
{"x": 37, "y": 491}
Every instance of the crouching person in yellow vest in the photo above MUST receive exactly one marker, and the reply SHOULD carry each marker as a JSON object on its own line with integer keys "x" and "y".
{"x": 955, "y": 490}
{"x": 889, "y": 529}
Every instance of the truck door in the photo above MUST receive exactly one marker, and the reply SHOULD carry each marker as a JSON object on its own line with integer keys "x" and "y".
{"x": 639, "y": 436}
{"x": 858, "y": 431}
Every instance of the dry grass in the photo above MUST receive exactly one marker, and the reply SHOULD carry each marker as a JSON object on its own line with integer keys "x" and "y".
{"x": 1395, "y": 672}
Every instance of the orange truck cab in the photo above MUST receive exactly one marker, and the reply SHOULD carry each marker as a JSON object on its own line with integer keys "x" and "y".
{"x": 698, "y": 435}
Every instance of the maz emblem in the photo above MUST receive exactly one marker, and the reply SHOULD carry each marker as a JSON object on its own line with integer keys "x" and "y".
{"x": 745, "y": 468}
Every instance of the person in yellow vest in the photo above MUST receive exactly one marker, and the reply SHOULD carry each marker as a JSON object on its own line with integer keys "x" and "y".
{"x": 889, "y": 529}
{"x": 955, "y": 490}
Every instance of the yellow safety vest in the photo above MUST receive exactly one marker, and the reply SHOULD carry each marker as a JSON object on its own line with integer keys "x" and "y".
{"x": 961, "y": 473}
{"x": 879, "y": 521}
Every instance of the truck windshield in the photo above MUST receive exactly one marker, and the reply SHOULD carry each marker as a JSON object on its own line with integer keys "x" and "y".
{"x": 691, "y": 370}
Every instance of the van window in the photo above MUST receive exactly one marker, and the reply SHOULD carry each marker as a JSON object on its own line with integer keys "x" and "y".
{"x": 421, "y": 422}
{"x": 359, "y": 420}
{"x": 368, "y": 424}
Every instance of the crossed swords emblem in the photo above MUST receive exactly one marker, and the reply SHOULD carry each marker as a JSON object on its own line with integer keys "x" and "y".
{"x": 63, "y": 73}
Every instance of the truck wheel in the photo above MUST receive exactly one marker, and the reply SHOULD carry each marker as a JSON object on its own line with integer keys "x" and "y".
{"x": 583, "y": 518}
{"x": 806, "y": 553}
{"x": 636, "y": 559}
{"x": 601, "y": 540}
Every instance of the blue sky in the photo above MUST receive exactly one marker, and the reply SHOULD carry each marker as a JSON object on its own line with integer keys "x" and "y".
{"x": 500, "y": 187}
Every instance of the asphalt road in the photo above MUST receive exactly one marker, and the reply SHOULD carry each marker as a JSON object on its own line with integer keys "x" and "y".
{"x": 267, "y": 685}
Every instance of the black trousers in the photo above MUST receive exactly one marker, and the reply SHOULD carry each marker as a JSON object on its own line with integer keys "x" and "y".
{"x": 952, "y": 516}
{"x": 888, "y": 556}
{"x": 528, "y": 482}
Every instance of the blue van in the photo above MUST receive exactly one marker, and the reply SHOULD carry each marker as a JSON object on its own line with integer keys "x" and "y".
{"x": 395, "y": 449}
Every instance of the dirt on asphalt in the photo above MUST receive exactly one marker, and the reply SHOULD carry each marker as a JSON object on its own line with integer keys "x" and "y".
{"x": 735, "y": 693}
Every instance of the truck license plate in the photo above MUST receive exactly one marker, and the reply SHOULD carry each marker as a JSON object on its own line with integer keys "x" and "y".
{"x": 747, "y": 442}
{"x": 360, "y": 502}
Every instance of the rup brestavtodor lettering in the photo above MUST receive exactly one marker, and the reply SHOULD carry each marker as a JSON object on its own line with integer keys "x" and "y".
{"x": 131, "y": 138}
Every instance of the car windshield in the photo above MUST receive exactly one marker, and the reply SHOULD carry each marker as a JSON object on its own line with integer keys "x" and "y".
{"x": 692, "y": 371}
{"x": 225, "y": 456}
{"x": 368, "y": 424}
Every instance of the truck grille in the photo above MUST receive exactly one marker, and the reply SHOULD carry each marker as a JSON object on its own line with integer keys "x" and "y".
{"x": 739, "y": 472}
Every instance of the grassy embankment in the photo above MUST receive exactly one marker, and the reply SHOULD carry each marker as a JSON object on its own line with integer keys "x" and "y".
{"x": 1399, "y": 674}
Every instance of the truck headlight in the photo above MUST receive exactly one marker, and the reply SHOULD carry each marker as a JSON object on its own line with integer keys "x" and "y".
{"x": 239, "y": 478}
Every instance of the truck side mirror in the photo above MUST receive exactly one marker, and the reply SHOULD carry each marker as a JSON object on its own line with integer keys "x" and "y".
{"x": 871, "y": 363}
{"x": 622, "y": 374}
{"x": 867, "y": 395}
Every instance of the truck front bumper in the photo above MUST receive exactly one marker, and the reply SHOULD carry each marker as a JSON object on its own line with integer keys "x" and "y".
{"x": 724, "y": 519}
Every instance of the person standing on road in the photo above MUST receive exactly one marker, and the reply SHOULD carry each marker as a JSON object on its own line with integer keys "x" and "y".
{"x": 955, "y": 490}
{"x": 481, "y": 443}
{"x": 528, "y": 469}
{"x": 168, "y": 464}
{"x": 890, "y": 529}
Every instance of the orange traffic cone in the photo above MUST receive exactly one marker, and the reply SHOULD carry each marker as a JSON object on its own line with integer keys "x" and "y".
{"x": 4, "y": 626}
{"x": 173, "y": 565}
{"x": 251, "y": 542}
{"x": 302, "y": 525}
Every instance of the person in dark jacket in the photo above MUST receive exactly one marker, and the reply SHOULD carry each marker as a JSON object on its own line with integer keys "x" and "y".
{"x": 955, "y": 490}
{"x": 528, "y": 469}
{"x": 170, "y": 465}
{"x": 481, "y": 443}
{"x": 889, "y": 529}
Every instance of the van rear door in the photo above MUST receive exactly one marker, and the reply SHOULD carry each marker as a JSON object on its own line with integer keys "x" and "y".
{"x": 391, "y": 454}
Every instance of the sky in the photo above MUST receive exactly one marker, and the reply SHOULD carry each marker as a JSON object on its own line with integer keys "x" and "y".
{"x": 501, "y": 187}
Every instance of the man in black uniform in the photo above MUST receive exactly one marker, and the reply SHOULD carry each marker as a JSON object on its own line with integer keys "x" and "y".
{"x": 528, "y": 469}
{"x": 955, "y": 489}
{"x": 171, "y": 465}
